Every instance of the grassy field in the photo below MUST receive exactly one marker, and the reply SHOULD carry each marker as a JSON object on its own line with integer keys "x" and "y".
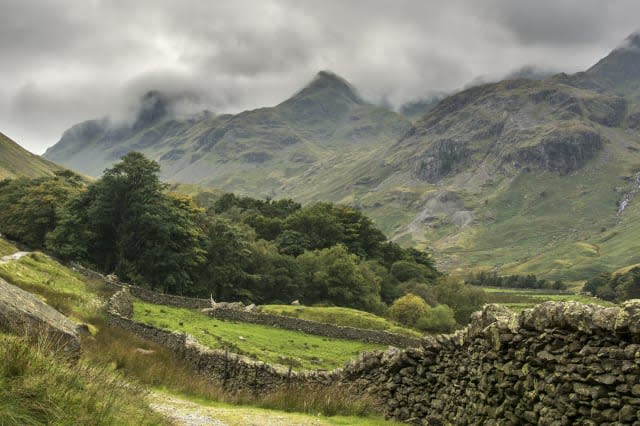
{"x": 519, "y": 299}
{"x": 268, "y": 344}
{"x": 340, "y": 316}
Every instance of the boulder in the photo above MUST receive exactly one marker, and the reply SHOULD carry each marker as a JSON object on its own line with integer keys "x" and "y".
{"x": 23, "y": 313}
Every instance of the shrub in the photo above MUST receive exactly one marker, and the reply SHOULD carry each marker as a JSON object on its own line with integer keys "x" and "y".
{"x": 408, "y": 309}
{"x": 438, "y": 319}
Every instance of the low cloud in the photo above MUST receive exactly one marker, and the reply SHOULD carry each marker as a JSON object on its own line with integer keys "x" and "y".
{"x": 67, "y": 61}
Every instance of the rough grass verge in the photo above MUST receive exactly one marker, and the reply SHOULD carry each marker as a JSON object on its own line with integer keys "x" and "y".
{"x": 152, "y": 365}
{"x": 37, "y": 388}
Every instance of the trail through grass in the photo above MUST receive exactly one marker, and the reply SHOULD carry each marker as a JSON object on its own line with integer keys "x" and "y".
{"x": 272, "y": 345}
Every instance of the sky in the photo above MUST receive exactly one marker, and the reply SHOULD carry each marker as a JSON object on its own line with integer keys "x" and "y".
{"x": 66, "y": 61}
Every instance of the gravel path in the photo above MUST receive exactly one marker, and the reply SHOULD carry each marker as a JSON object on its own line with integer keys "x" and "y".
{"x": 188, "y": 413}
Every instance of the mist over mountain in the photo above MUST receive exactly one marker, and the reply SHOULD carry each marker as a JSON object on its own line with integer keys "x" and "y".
{"x": 524, "y": 175}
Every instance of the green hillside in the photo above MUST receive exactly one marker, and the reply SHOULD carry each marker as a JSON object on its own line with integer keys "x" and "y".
{"x": 260, "y": 152}
{"x": 521, "y": 176}
{"x": 17, "y": 161}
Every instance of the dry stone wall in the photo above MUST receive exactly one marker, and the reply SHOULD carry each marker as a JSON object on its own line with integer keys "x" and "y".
{"x": 236, "y": 373}
{"x": 143, "y": 293}
{"x": 558, "y": 364}
{"x": 236, "y": 312}
{"x": 314, "y": 327}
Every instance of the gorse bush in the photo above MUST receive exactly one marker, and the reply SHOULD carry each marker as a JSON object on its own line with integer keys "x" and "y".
{"x": 440, "y": 319}
{"x": 413, "y": 311}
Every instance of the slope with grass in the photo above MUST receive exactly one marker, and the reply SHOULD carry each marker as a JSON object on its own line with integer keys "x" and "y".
{"x": 339, "y": 316}
{"x": 36, "y": 388}
{"x": 65, "y": 290}
{"x": 121, "y": 364}
{"x": 16, "y": 161}
{"x": 524, "y": 176}
{"x": 267, "y": 344}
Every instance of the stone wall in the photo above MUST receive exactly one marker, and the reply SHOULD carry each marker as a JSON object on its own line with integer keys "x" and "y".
{"x": 169, "y": 299}
{"x": 236, "y": 373}
{"x": 317, "y": 328}
{"x": 557, "y": 364}
{"x": 143, "y": 293}
{"x": 227, "y": 311}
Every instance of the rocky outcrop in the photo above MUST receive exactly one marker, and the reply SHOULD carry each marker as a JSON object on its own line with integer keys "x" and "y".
{"x": 561, "y": 151}
{"x": 441, "y": 159}
{"x": 23, "y": 313}
{"x": 560, "y": 363}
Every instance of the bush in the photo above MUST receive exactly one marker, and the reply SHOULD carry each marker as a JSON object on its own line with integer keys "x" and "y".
{"x": 438, "y": 319}
{"x": 408, "y": 310}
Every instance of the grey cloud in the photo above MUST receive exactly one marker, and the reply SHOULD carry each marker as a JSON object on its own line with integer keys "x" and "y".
{"x": 65, "y": 61}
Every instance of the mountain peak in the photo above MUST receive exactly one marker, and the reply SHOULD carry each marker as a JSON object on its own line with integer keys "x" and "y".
{"x": 331, "y": 84}
{"x": 153, "y": 106}
{"x": 620, "y": 69}
{"x": 632, "y": 41}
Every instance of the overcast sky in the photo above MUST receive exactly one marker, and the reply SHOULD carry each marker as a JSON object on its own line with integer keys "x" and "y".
{"x": 65, "y": 61}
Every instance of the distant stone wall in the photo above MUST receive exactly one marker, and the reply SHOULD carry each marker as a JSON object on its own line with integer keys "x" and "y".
{"x": 560, "y": 363}
{"x": 314, "y": 327}
{"x": 143, "y": 293}
{"x": 238, "y": 314}
{"x": 169, "y": 299}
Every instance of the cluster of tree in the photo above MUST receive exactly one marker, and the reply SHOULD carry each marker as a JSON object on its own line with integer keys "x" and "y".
{"x": 492, "y": 279}
{"x": 239, "y": 248}
{"x": 615, "y": 287}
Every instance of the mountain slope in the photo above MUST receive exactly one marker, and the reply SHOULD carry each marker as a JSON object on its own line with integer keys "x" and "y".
{"x": 520, "y": 176}
{"x": 256, "y": 152}
{"x": 16, "y": 161}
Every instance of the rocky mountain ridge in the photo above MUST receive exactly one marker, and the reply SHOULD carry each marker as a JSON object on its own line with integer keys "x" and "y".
{"x": 552, "y": 151}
